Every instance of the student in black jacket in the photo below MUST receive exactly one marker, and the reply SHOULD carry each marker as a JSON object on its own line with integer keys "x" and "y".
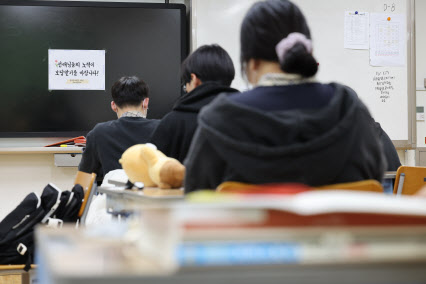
{"x": 207, "y": 72}
{"x": 289, "y": 128}
{"x": 108, "y": 140}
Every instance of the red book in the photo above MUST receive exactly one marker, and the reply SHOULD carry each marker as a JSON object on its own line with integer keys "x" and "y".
{"x": 75, "y": 140}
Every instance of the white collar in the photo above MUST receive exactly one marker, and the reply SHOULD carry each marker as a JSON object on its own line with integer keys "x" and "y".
{"x": 132, "y": 113}
{"x": 283, "y": 79}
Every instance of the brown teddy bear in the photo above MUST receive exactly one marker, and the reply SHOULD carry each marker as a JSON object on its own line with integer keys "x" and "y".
{"x": 144, "y": 163}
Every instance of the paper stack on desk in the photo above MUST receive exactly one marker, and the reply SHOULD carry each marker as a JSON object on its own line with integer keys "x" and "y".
{"x": 310, "y": 227}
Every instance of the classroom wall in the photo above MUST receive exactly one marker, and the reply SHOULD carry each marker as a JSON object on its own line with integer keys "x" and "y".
{"x": 420, "y": 68}
{"x": 21, "y": 174}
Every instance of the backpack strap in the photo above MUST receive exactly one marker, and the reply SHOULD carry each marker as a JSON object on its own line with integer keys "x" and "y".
{"x": 55, "y": 206}
{"x": 24, "y": 250}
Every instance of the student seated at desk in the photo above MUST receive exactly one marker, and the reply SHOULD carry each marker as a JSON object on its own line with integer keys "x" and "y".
{"x": 108, "y": 140}
{"x": 207, "y": 72}
{"x": 289, "y": 128}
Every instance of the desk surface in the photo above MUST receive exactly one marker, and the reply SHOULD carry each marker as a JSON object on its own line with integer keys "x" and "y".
{"x": 119, "y": 200}
{"x": 41, "y": 150}
{"x": 389, "y": 175}
{"x": 5, "y": 267}
{"x": 146, "y": 193}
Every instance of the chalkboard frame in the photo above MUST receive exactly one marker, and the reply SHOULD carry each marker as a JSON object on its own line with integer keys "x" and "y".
{"x": 185, "y": 42}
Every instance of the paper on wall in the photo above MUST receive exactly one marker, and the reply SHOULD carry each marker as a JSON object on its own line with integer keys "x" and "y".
{"x": 356, "y": 30}
{"x": 76, "y": 69}
{"x": 388, "y": 43}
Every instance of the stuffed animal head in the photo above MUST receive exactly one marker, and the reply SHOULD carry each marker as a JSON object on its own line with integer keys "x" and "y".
{"x": 146, "y": 164}
{"x": 164, "y": 171}
{"x": 135, "y": 166}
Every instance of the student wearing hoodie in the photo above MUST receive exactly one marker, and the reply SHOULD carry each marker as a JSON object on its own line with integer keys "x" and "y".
{"x": 207, "y": 72}
{"x": 289, "y": 128}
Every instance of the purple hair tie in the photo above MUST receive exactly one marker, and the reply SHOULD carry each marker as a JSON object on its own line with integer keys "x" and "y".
{"x": 287, "y": 43}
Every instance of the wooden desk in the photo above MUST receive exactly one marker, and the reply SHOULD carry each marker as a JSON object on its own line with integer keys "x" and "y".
{"x": 14, "y": 274}
{"x": 119, "y": 199}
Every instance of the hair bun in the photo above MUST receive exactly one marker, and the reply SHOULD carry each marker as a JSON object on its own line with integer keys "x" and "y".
{"x": 289, "y": 42}
{"x": 295, "y": 55}
{"x": 299, "y": 61}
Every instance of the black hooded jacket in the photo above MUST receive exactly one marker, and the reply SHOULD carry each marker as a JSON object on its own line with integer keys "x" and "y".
{"x": 391, "y": 154}
{"x": 174, "y": 133}
{"x": 336, "y": 143}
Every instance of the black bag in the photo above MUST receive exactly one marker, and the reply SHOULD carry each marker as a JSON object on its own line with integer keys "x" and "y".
{"x": 70, "y": 205}
{"x": 50, "y": 200}
{"x": 17, "y": 228}
{"x": 73, "y": 207}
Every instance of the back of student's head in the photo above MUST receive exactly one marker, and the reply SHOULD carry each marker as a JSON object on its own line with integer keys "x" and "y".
{"x": 210, "y": 63}
{"x": 129, "y": 91}
{"x": 265, "y": 25}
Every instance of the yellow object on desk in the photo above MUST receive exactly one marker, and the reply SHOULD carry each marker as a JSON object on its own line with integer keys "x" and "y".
{"x": 155, "y": 191}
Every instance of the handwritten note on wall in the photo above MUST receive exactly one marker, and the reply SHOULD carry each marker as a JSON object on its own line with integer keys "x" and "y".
{"x": 384, "y": 85}
{"x": 76, "y": 69}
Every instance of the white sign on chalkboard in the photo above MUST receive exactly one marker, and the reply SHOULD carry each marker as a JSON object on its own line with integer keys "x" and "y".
{"x": 76, "y": 69}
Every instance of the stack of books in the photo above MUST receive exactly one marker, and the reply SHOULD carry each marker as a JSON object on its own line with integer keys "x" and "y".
{"x": 312, "y": 227}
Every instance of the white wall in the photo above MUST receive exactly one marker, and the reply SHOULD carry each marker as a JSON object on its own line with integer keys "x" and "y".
{"x": 225, "y": 16}
{"x": 21, "y": 174}
{"x": 421, "y": 67}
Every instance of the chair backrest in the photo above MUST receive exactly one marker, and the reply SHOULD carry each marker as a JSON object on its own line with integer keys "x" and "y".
{"x": 86, "y": 181}
{"x": 268, "y": 188}
{"x": 234, "y": 185}
{"x": 363, "y": 185}
{"x": 409, "y": 180}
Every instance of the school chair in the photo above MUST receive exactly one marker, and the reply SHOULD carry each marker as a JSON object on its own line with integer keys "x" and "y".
{"x": 269, "y": 188}
{"x": 370, "y": 185}
{"x": 364, "y": 185}
{"x": 228, "y": 186}
{"x": 88, "y": 182}
{"x": 409, "y": 180}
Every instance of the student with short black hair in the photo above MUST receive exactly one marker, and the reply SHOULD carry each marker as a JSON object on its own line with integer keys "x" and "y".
{"x": 107, "y": 141}
{"x": 209, "y": 63}
{"x": 289, "y": 128}
{"x": 207, "y": 72}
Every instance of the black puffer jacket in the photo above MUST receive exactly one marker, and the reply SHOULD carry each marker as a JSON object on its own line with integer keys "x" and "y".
{"x": 174, "y": 134}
